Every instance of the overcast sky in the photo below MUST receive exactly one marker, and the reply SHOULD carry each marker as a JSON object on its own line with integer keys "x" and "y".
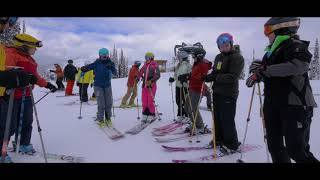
{"x": 66, "y": 38}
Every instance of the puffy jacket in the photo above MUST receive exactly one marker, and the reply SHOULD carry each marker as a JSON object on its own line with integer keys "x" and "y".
{"x": 286, "y": 80}
{"x": 227, "y": 69}
{"x": 183, "y": 68}
{"x": 16, "y": 58}
{"x": 149, "y": 71}
{"x": 85, "y": 77}
{"x": 199, "y": 71}
{"x": 70, "y": 72}
{"x": 103, "y": 71}
{"x": 133, "y": 74}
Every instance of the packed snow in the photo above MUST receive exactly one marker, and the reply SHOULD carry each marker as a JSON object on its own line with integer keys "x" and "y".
{"x": 64, "y": 133}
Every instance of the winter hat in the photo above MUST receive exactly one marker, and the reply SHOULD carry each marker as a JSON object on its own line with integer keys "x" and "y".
{"x": 103, "y": 52}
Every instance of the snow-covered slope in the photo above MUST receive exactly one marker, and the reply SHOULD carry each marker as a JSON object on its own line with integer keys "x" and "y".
{"x": 64, "y": 133}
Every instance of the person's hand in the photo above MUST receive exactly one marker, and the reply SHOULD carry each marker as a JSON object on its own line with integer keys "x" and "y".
{"x": 171, "y": 80}
{"x": 51, "y": 87}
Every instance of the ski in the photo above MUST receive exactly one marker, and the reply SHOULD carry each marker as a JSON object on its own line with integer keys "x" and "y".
{"x": 139, "y": 127}
{"x": 177, "y": 137}
{"x": 168, "y": 130}
{"x": 54, "y": 157}
{"x": 112, "y": 133}
{"x": 244, "y": 149}
{"x": 68, "y": 95}
{"x": 197, "y": 148}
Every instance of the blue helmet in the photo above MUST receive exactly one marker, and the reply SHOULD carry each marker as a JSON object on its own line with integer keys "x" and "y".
{"x": 224, "y": 38}
{"x": 103, "y": 52}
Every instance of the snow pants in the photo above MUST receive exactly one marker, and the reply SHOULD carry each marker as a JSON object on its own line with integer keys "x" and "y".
{"x": 104, "y": 100}
{"x": 148, "y": 104}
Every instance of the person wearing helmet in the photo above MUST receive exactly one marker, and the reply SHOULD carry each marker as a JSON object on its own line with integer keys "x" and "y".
{"x": 70, "y": 72}
{"x": 84, "y": 79}
{"x": 60, "y": 75}
{"x": 10, "y": 78}
{"x": 288, "y": 93}
{"x": 225, "y": 75}
{"x": 103, "y": 69}
{"x": 200, "y": 68}
{"x": 149, "y": 73}
{"x": 132, "y": 86}
{"x": 183, "y": 67}
{"x": 20, "y": 55}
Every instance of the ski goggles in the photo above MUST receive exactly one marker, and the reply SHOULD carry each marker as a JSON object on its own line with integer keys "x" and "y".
{"x": 30, "y": 44}
{"x": 104, "y": 57}
{"x": 148, "y": 58}
{"x": 268, "y": 29}
{"x": 11, "y": 20}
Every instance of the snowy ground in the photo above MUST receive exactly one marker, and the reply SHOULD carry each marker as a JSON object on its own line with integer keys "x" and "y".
{"x": 64, "y": 133}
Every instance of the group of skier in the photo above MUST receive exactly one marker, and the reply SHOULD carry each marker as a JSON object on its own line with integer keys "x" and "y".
{"x": 288, "y": 99}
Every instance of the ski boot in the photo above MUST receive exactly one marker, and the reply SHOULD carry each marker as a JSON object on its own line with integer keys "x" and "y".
{"x": 211, "y": 146}
{"x": 123, "y": 106}
{"x": 27, "y": 149}
{"x": 188, "y": 128}
{"x": 102, "y": 123}
{"x": 108, "y": 122}
{"x": 144, "y": 119}
{"x": 132, "y": 105}
{"x": 225, "y": 150}
{"x": 203, "y": 130}
{"x": 7, "y": 159}
{"x": 151, "y": 118}
{"x": 182, "y": 120}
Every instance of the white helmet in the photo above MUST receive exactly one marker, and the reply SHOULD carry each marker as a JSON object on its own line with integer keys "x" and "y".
{"x": 181, "y": 55}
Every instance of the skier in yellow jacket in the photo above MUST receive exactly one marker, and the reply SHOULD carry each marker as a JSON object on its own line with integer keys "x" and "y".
{"x": 84, "y": 79}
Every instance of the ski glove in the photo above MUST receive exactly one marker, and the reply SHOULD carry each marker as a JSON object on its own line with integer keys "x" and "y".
{"x": 91, "y": 85}
{"x": 149, "y": 83}
{"x": 255, "y": 65}
{"x": 253, "y": 78}
{"x": 51, "y": 87}
{"x": 184, "y": 77}
{"x": 171, "y": 80}
{"x": 33, "y": 79}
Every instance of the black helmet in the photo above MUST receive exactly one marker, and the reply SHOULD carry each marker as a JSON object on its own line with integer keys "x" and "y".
{"x": 282, "y": 25}
{"x": 137, "y": 63}
{"x": 199, "y": 52}
{"x": 70, "y": 61}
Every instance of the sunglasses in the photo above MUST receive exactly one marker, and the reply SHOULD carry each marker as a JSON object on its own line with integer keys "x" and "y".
{"x": 36, "y": 44}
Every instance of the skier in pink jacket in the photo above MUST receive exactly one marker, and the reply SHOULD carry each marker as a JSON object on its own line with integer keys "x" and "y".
{"x": 149, "y": 73}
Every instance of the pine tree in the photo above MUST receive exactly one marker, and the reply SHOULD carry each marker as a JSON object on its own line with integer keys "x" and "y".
{"x": 114, "y": 58}
{"x": 6, "y": 37}
{"x": 314, "y": 73}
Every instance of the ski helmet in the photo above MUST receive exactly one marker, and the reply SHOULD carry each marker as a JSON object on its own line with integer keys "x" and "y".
{"x": 26, "y": 40}
{"x": 10, "y": 20}
{"x": 282, "y": 25}
{"x": 182, "y": 55}
{"x": 70, "y": 61}
{"x": 199, "y": 53}
{"x": 137, "y": 63}
{"x": 149, "y": 56}
{"x": 224, "y": 38}
{"x": 103, "y": 52}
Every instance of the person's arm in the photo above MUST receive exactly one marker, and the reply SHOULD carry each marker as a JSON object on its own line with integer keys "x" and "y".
{"x": 113, "y": 69}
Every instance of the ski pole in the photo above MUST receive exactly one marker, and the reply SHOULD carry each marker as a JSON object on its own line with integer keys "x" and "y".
{"x": 152, "y": 96}
{"x": 18, "y": 133}
{"x": 172, "y": 103}
{"x": 248, "y": 120}
{"x": 81, "y": 96}
{"x": 113, "y": 114}
{"x": 138, "y": 102}
{"x": 197, "y": 112}
{"x": 7, "y": 128}
{"x": 42, "y": 97}
{"x": 213, "y": 124}
{"x": 263, "y": 123}
{"x": 38, "y": 125}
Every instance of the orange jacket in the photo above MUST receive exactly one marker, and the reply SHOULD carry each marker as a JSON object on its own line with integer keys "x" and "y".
{"x": 132, "y": 76}
{"x": 17, "y": 58}
{"x": 59, "y": 72}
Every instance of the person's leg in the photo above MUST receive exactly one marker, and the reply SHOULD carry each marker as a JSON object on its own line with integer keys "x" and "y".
{"x": 295, "y": 126}
{"x": 229, "y": 131}
{"x": 274, "y": 130}
{"x": 179, "y": 101}
{"x": 80, "y": 92}
{"x": 144, "y": 94}
{"x": 217, "y": 118}
{"x": 126, "y": 96}
{"x": 100, "y": 100}
{"x": 195, "y": 108}
{"x": 85, "y": 92}
{"x": 108, "y": 102}
{"x": 69, "y": 87}
{"x": 151, "y": 99}
{"x": 134, "y": 95}
{"x": 26, "y": 131}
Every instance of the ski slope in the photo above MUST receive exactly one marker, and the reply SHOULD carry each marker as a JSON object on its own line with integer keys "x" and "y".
{"x": 64, "y": 133}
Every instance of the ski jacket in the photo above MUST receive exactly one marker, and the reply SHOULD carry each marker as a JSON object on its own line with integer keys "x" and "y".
{"x": 149, "y": 71}
{"x": 183, "y": 67}
{"x": 85, "y": 77}
{"x": 133, "y": 74}
{"x": 199, "y": 71}
{"x": 70, "y": 72}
